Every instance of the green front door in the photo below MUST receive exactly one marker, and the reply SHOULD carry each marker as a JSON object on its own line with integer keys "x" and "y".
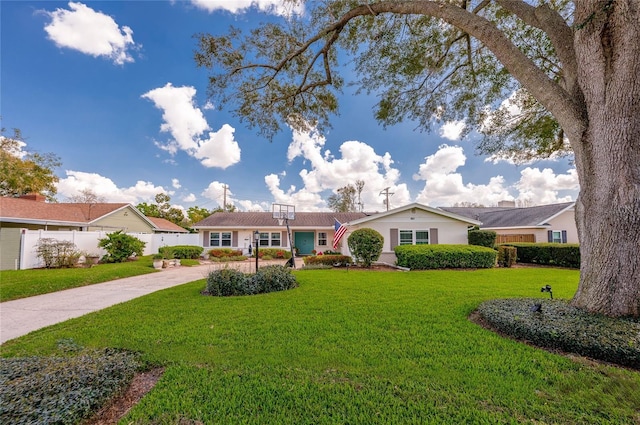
{"x": 304, "y": 241}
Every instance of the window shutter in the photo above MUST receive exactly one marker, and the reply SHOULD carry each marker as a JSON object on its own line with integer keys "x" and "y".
{"x": 433, "y": 236}
{"x": 284, "y": 239}
{"x": 564, "y": 236}
{"x": 205, "y": 242}
{"x": 393, "y": 238}
{"x": 550, "y": 236}
{"x": 234, "y": 238}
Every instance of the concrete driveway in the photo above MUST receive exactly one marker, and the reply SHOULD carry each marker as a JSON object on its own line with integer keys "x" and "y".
{"x": 19, "y": 317}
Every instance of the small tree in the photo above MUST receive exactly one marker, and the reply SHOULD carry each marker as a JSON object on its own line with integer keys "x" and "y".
{"x": 55, "y": 253}
{"x": 120, "y": 246}
{"x": 365, "y": 246}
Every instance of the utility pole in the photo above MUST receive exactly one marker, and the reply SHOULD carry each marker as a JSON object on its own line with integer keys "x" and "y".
{"x": 224, "y": 203}
{"x": 387, "y": 194}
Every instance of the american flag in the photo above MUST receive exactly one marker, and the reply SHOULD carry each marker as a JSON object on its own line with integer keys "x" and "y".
{"x": 340, "y": 231}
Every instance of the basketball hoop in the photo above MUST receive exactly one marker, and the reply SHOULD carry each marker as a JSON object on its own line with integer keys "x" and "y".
{"x": 280, "y": 221}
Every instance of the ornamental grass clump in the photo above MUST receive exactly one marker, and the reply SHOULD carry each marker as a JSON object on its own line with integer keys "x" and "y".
{"x": 230, "y": 282}
{"x": 62, "y": 390}
{"x": 557, "y": 325}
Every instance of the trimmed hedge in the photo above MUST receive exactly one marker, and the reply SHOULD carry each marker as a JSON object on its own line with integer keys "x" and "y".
{"x": 183, "y": 252}
{"x": 231, "y": 282}
{"x": 271, "y": 253}
{"x": 62, "y": 390}
{"x": 424, "y": 257}
{"x": 558, "y": 325}
{"x": 482, "y": 238}
{"x": 507, "y": 255}
{"x": 224, "y": 252}
{"x": 328, "y": 260}
{"x": 553, "y": 254}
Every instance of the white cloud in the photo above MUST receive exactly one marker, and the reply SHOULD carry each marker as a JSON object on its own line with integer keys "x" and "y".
{"x": 175, "y": 183}
{"x": 76, "y": 181}
{"x": 542, "y": 186}
{"x": 275, "y": 7}
{"x": 444, "y": 186}
{"x": 325, "y": 172}
{"x": 93, "y": 33}
{"x": 452, "y": 130}
{"x": 189, "y": 198}
{"x": 186, "y": 124}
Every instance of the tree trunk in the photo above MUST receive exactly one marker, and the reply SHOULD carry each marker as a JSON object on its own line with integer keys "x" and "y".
{"x": 608, "y": 157}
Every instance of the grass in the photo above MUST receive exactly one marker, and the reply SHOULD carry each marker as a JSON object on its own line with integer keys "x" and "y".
{"x": 16, "y": 284}
{"x": 355, "y": 347}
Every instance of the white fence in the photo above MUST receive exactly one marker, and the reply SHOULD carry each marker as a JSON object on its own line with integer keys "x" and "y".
{"x": 88, "y": 242}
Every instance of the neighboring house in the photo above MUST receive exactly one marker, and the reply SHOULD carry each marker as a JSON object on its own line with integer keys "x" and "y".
{"x": 543, "y": 223}
{"x": 412, "y": 224}
{"x": 162, "y": 225}
{"x": 28, "y": 217}
{"x": 33, "y": 213}
{"x": 309, "y": 230}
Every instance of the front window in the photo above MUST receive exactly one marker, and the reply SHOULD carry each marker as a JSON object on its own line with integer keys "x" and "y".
{"x": 275, "y": 239}
{"x": 264, "y": 239}
{"x": 220, "y": 239}
{"x": 322, "y": 238}
{"x": 406, "y": 237}
{"x": 557, "y": 237}
{"x": 414, "y": 237}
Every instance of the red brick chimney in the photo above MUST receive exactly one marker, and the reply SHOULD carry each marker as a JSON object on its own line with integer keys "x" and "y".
{"x": 34, "y": 197}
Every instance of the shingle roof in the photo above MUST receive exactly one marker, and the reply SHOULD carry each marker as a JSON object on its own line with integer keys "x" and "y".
{"x": 511, "y": 217}
{"x": 265, "y": 219}
{"x": 24, "y": 209}
{"x": 165, "y": 225}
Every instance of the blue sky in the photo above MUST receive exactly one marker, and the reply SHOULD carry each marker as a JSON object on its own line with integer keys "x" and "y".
{"x": 111, "y": 87}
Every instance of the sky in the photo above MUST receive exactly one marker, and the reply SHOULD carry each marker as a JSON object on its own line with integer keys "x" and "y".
{"x": 111, "y": 88}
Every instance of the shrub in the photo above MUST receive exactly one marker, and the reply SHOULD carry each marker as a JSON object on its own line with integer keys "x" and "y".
{"x": 120, "y": 247}
{"x": 183, "y": 252}
{"x": 328, "y": 260}
{"x": 271, "y": 253}
{"x": 422, "y": 257}
{"x": 229, "y": 282}
{"x": 482, "y": 238}
{"x": 273, "y": 278}
{"x": 558, "y": 325}
{"x": 224, "y": 252}
{"x": 554, "y": 254}
{"x": 55, "y": 253}
{"x": 507, "y": 255}
{"x": 365, "y": 245}
{"x": 62, "y": 390}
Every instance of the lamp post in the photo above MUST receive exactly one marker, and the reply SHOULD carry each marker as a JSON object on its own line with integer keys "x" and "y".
{"x": 256, "y": 234}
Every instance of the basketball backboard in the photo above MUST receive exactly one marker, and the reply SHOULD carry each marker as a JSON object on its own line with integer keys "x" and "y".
{"x": 283, "y": 211}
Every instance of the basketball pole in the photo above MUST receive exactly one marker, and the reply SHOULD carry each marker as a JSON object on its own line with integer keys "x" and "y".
{"x": 293, "y": 257}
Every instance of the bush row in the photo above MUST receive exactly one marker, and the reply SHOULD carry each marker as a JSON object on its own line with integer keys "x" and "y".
{"x": 482, "y": 238}
{"x": 271, "y": 253}
{"x": 557, "y": 325}
{"x": 230, "y": 282}
{"x": 183, "y": 252}
{"x": 423, "y": 257}
{"x": 62, "y": 390}
{"x": 554, "y": 254}
{"x": 328, "y": 260}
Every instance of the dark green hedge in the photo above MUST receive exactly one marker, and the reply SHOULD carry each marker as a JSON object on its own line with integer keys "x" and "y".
{"x": 423, "y": 257}
{"x": 553, "y": 254}
{"x": 482, "y": 238}
{"x": 507, "y": 255}
{"x": 557, "y": 325}
{"x": 328, "y": 260}
{"x": 62, "y": 390}
{"x": 231, "y": 282}
{"x": 182, "y": 252}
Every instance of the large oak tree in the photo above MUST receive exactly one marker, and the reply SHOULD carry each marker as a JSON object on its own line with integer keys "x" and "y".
{"x": 569, "y": 69}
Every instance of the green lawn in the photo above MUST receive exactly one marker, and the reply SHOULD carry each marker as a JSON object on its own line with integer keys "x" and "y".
{"x": 355, "y": 347}
{"x": 16, "y": 284}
